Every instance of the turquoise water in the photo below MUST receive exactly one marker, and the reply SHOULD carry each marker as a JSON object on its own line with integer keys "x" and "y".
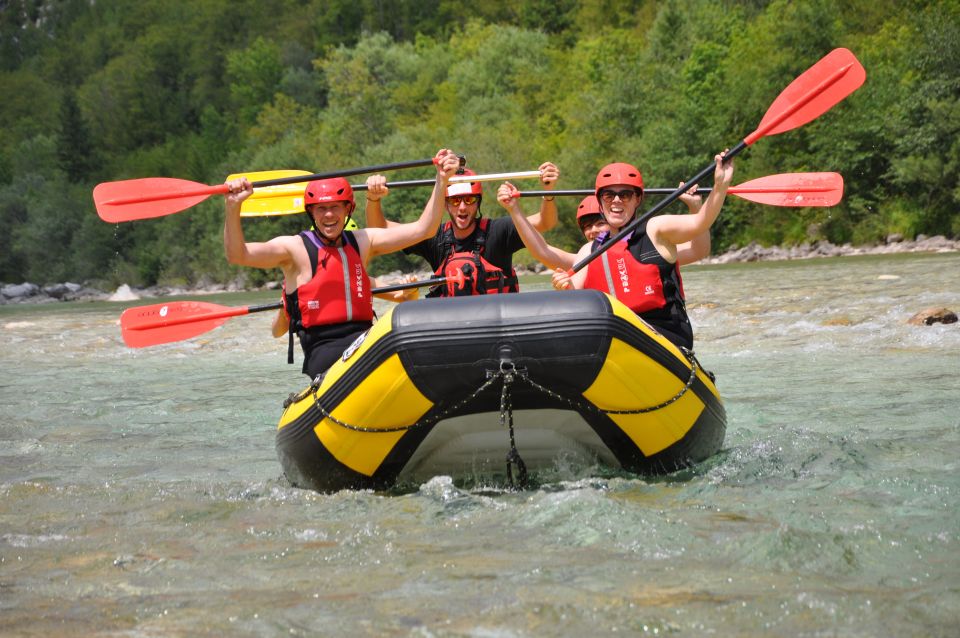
{"x": 140, "y": 494}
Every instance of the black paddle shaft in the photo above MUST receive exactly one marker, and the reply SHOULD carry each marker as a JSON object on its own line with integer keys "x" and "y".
{"x": 348, "y": 172}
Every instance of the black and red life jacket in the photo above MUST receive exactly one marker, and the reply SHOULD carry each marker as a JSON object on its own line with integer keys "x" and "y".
{"x": 337, "y": 293}
{"x": 634, "y": 271}
{"x": 467, "y": 272}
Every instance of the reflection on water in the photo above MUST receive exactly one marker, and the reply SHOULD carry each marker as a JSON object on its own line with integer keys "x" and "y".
{"x": 140, "y": 493}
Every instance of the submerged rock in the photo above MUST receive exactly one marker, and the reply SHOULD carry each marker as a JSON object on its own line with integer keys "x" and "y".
{"x": 931, "y": 316}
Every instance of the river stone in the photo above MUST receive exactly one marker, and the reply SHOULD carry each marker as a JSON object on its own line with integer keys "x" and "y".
{"x": 20, "y": 291}
{"x": 933, "y": 315}
{"x": 57, "y": 291}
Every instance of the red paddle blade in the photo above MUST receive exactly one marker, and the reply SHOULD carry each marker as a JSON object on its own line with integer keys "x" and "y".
{"x": 132, "y": 199}
{"x": 834, "y": 77}
{"x": 174, "y": 321}
{"x": 793, "y": 189}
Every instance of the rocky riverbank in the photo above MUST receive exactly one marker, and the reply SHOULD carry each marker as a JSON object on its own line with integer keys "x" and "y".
{"x": 32, "y": 293}
{"x": 894, "y": 244}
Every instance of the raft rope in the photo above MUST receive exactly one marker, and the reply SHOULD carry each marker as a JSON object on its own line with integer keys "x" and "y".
{"x": 694, "y": 366}
{"x": 504, "y": 372}
{"x": 508, "y": 372}
{"x": 401, "y": 428}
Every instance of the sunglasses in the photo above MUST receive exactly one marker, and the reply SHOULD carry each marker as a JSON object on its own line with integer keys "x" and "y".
{"x": 624, "y": 195}
{"x": 466, "y": 199}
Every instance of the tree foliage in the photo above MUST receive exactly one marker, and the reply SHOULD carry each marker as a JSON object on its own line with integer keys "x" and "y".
{"x": 116, "y": 89}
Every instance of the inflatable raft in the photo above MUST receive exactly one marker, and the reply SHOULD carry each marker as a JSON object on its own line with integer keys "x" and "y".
{"x": 500, "y": 385}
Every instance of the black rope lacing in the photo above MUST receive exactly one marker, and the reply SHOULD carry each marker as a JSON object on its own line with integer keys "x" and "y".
{"x": 508, "y": 373}
{"x": 583, "y": 405}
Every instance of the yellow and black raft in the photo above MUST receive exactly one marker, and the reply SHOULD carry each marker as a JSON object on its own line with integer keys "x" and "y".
{"x": 457, "y": 386}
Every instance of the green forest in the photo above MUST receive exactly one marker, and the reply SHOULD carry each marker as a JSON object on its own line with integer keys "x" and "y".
{"x": 104, "y": 90}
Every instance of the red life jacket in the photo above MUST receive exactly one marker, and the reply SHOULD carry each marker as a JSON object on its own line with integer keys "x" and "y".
{"x": 467, "y": 272}
{"x": 337, "y": 293}
{"x": 634, "y": 271}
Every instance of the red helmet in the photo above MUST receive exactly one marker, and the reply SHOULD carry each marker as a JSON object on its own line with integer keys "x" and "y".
{"x": 618, "y": 173}
{"x": 589, "y": 206}
{"x": 335, "y": 189}
{"x": 465, "y": 188}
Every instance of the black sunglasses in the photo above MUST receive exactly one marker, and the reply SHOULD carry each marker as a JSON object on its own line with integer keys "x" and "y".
{"x": 609, "y": 195}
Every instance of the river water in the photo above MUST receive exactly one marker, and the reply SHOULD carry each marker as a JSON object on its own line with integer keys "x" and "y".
{"x": 140, "y": 494}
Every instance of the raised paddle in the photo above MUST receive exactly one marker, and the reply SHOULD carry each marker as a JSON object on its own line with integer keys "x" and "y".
{"x": 813, "y": 93}
{"x": 156, "y": 324}
{"x": 288, "y": 199}
{"x": 785, "y": 189}
{"x": 149, "y": 197}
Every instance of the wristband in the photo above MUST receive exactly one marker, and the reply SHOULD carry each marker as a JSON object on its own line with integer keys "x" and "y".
{"x": 549, "y": 199}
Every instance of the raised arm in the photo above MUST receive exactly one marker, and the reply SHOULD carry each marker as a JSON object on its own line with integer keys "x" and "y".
{"x": 275, "y": 253}
{"x": 543, "y": 252}
{"x": 698, "y": 247}
{"x": 380, "y": 241}
{"x": 669, "y": 231}
{"x": 376, "y": 191}
{"x": 546, "y": 218}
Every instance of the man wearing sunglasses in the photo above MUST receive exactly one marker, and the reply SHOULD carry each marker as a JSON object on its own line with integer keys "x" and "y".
{"x": 475, "y": 254}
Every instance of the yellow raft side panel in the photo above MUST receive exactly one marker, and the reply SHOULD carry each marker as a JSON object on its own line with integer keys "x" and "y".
{"x": 385, "y": 398}
{"x": 382, "y": 327}
{"x": 629, "y": 380}
{"x": 625, "y": 313}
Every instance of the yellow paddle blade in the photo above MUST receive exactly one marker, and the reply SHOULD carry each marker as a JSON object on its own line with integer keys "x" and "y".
{"x": 285, "y": 199}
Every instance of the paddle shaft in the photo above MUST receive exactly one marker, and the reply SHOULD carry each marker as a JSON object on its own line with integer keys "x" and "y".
{"x": 456, "y": 179}
{"x": 766, "y": 127}
{"x": 237, "y": 311}
{"x": 733, "y": 190}
{"x": 589, "y": 191}
{"x": 220, "y": 189}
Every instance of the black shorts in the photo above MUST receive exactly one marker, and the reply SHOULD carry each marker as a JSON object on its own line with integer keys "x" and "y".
{"x": 320, "y": 351}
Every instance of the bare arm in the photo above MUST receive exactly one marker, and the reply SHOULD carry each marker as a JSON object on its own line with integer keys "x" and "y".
{"x": 399, "y": 296}
{"x": 543, "y": 252}
{"x": 563, "y": 279}
{"x": 669, "y": 231}
{"x": 699, "y": 247}
{"x": 275, "y": 253}
{"x": 377, "y": 190}
{"x": 281, "y": 323}
{"x": 546, "y": 218}
{"x": 380, "y": 241}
